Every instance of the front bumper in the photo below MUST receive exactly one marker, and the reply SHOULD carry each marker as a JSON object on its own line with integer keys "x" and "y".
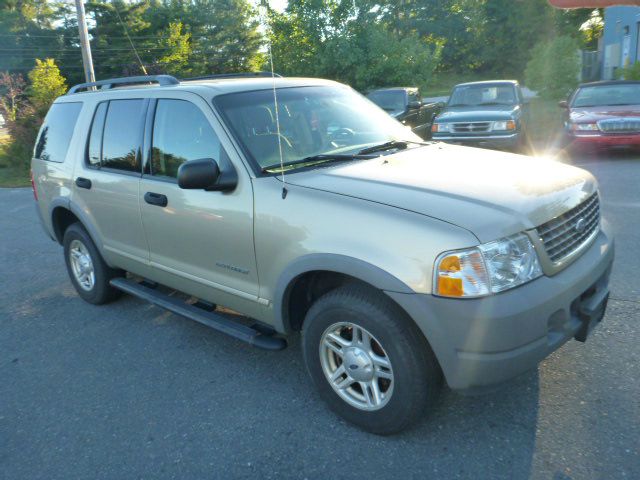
{"x": 490, "y": 141}
{"x": 601, "y": 140}
{"x": 489, "y": 340}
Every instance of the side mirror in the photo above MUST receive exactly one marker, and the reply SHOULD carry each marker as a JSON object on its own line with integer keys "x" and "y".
{"x": 563, "y": 104}
{"x": 200, "y": 174}
{"x": 415, "y": 105}
{"x": 440, "y": 105}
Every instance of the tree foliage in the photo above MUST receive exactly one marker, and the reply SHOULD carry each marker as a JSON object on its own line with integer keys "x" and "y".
{"x": 554, "y": 67}
{"x": 337, "y": 39}
{"x": 24, "y": 107}
{"x": 47, "y": 83}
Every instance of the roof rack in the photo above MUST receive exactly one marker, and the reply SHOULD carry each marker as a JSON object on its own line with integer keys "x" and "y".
{"x": 234, "y": 75}
{"x": 162, "y": 80}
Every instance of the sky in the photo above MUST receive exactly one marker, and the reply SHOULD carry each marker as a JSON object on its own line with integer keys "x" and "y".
{"x": 278, "y": 5}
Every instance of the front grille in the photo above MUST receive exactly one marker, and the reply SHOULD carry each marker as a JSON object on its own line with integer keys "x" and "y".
{"x": 471, "y": 127}
{"x": 620, "y": 125}
{"x": 567, "y": 233}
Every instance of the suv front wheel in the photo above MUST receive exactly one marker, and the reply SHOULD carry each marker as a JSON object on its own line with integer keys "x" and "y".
{"x": 368, "y": 360}
{"x": 87, "y": 270}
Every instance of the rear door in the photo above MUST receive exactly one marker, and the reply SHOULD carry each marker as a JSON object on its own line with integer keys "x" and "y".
{"x": 107, "y": 181}
{"x": 197, "y": 238}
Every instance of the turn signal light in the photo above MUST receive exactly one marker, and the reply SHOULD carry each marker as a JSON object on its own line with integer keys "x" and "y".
{"x": 461, "y": 274}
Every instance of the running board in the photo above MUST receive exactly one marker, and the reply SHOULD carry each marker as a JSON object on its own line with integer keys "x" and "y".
{"x": 210, "y": 319}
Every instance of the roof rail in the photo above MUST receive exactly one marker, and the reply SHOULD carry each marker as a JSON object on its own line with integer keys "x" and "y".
{"x": 234, "y": 75}
{"x": 162, "y": 80}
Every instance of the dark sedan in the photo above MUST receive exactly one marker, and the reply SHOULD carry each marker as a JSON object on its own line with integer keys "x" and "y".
{"x": 484, "y": 114}
{"x": 604, "y": 114}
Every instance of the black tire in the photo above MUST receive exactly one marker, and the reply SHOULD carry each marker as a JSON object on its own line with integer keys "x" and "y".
{"x": 102, "y": 291}
{"x": 417, "y": 375}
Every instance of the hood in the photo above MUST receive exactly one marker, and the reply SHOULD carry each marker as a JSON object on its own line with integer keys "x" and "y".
{"x": 492, "y": 194}
{"x": 594, "y": 114}
{"x": 479, "y": 113}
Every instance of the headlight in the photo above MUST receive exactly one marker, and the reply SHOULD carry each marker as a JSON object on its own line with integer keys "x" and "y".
{"x": 504, "y": 125}
{"x": 585, "y": 127}
{"x": 440, "y": 128}
{"x": 488, "y": 268}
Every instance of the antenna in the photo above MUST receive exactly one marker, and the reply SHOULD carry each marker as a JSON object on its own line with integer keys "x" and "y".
{"x": 144, "y": 70}
{"x": 265, "y": 5}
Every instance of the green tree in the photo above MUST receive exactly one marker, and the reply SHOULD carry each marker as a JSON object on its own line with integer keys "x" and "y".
{"x": 554, "y": 67}
{"x": 47, "y": 83}
{"x": 350, "y": 42}
{"x": 179, "y": 49}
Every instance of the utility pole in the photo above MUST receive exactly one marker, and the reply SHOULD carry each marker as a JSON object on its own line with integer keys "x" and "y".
{"x": 87, "y": 61}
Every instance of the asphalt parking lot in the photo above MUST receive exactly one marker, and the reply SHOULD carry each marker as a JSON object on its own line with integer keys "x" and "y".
{"x": 130, "y": 391}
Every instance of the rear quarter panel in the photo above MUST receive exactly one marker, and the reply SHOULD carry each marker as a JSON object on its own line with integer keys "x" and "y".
{"x": 54, "y": 180}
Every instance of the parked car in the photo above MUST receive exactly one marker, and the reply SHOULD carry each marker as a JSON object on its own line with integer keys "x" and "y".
{"x": 400, "y": 261}
{"x": 603, "y": 114}
{"x": 405, "y": 105}
{"x": 484, "y": 114}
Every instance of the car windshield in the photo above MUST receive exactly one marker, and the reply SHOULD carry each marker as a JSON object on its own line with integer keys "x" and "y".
{"x": 473, "y": 95}
{"x": 389, "y": 100}
{"x": 601, "y": 95}
{"x": 322, "y": 120}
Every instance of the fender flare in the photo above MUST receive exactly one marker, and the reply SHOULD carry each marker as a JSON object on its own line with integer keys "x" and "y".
{"x": 81, "y": 215}
{"x": 327, "y": 262}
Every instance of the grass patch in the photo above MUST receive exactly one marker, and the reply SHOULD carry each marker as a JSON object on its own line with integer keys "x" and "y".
{"x": 11, "y": 176}
{"x": 443, "y": 82}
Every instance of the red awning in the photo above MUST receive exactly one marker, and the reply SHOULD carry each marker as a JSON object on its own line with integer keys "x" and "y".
{"x": 591, "y": 3}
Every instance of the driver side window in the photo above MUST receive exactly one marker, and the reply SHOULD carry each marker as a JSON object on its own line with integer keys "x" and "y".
{"x": 181, "y": 132}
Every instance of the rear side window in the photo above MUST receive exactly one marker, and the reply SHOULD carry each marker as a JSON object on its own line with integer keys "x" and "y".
{"x": 175, "y": 142}
{"x": 56, "y": 132}
{"x": 122, "y": 135}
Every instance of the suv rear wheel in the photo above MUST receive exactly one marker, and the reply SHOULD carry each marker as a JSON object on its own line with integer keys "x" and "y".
{"x": 369, "y": 361}
{"x": 87, "y": 270}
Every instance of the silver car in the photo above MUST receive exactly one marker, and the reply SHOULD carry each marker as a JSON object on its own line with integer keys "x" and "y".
{"x": 303, "y": 206}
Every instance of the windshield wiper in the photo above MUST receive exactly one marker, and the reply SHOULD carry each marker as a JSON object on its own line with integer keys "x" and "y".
{"x": 495, "y": 103}
{"x": 391, "y": 145}
{"x": 316, "y": 159}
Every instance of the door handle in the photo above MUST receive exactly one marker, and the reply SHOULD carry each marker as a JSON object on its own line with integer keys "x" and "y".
{"x": 83, "y": 183}
{"x": 156, "y": 199}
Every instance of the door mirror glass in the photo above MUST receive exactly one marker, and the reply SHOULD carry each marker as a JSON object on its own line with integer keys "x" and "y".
{"x": 200, "y": 174}
{"x": 414, "y": 105}
{"x": 563, "y": 104}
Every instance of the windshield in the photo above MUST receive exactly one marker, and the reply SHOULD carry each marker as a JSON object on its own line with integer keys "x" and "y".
{"x": 472, "y": 95}
{"x": 600, "y": 95}
{"x": 313, "y": 121}
{"x": 389, "y": 100}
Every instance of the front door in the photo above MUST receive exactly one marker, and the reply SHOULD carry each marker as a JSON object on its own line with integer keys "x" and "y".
{"x": 199, "y": 240}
